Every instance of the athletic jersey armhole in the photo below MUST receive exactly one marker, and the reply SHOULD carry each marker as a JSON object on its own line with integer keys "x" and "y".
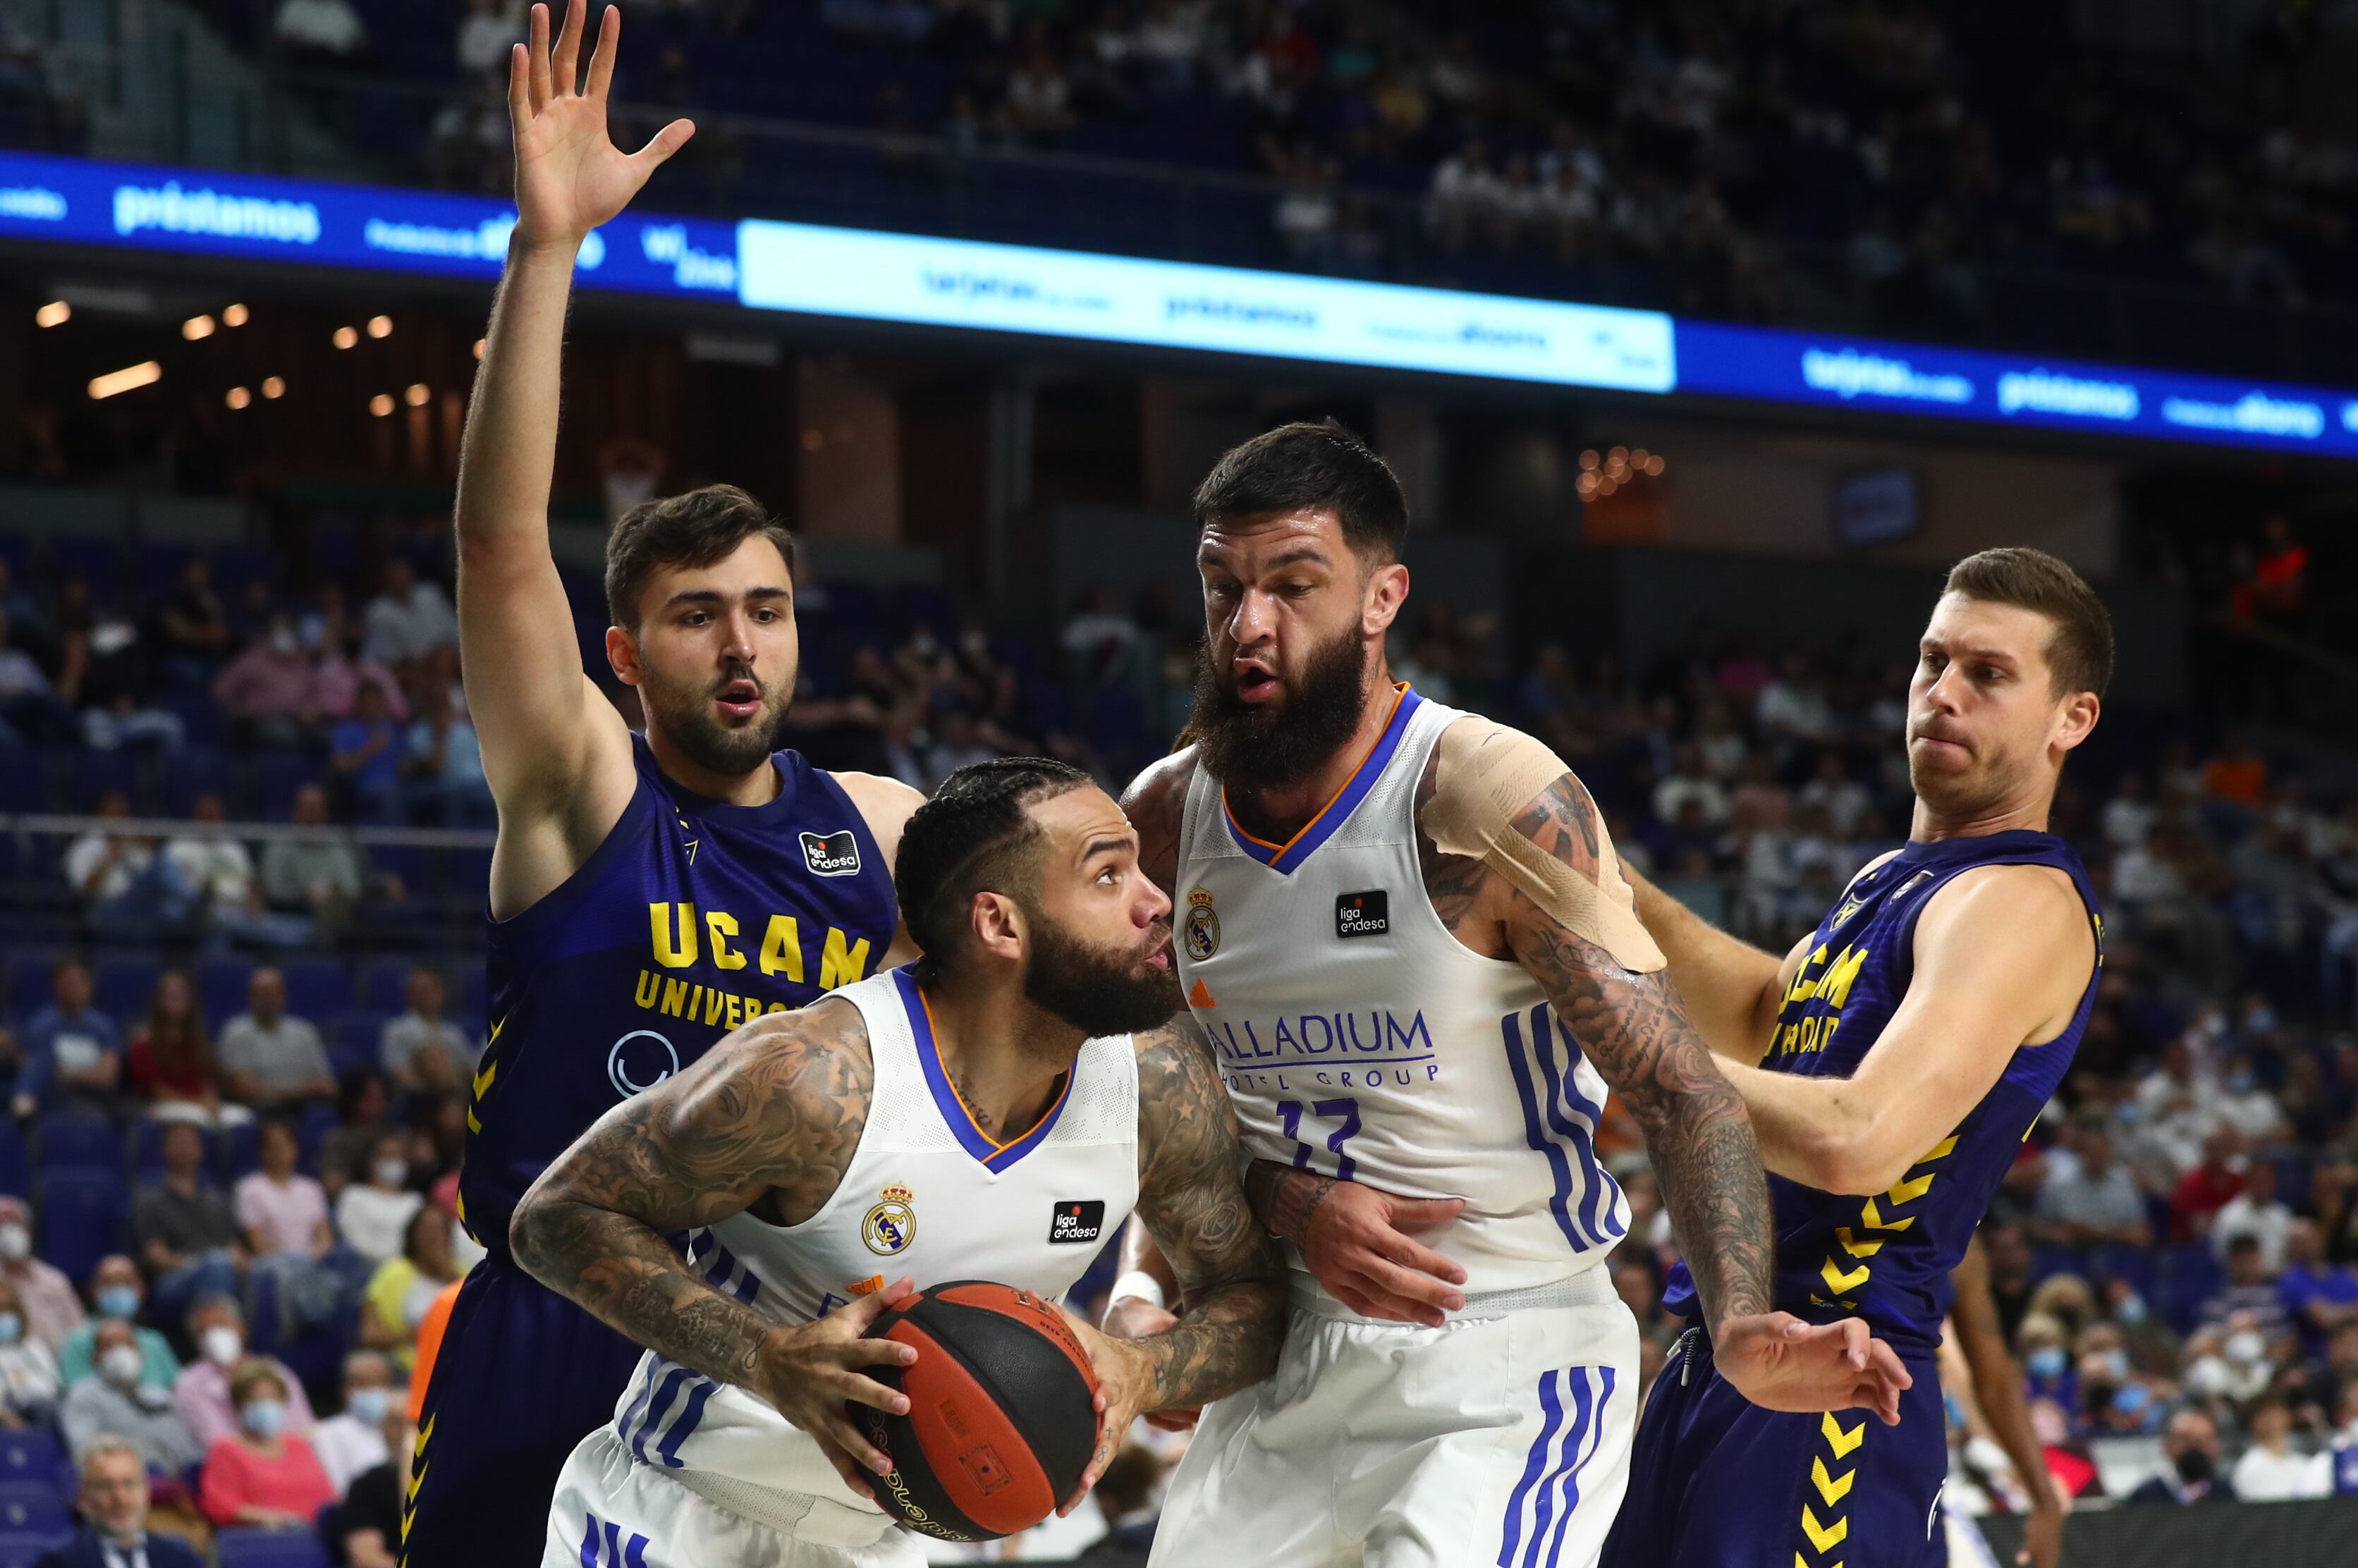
{"x": 1903, "y": 956}
{"x": 520, "y": 932}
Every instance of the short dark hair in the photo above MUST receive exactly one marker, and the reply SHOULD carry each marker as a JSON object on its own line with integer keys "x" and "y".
{"x": 2080, "y": 653}
{"x": 974, "y": 836}
{"x": 693, "y": 529}
{"x": 1304, "y": 466}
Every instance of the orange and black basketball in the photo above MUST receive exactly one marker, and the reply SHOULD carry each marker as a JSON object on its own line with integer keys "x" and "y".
{"x": 1001, "y": 1415}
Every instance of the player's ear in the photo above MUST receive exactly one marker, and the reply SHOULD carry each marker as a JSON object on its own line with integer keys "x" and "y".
{"x": 623, "y": 653}
{"x": 2077, "y": 719}
{"x": 1387, "y": 590}
{"x": 997, "y": 926}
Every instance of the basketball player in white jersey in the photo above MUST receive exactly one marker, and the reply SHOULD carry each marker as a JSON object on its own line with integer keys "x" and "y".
{"x": 1405, "y": 932}
{"x": 987, "y": 1113}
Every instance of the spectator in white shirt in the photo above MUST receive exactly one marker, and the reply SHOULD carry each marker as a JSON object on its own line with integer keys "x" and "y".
{"x": 409, "y": 619}
{"x": 1794, "y": 706}
{"x": 353, "y": 1441}
{"x": 2258, "y": 1213}
{"x": 330, "y": 28}
{"x": 1688, "y": 781}
{"x": 274, "y": 1060}
{"x": 220, "y": 871}
{"x": 2269, "y": 1471}
{"x": 1846, "y": 800}
{"x": 421, "y": 1049}
{"x": 2244, "y": 1105}
{"x": 485, "y": 34}
{"x": 374, "y": 1215}
{"x": 2130, "y": 814}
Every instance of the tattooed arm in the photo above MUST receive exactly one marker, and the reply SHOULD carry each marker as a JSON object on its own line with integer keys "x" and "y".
{"x": 1231, "y": 1282}
{"x": 769, "y": 1121}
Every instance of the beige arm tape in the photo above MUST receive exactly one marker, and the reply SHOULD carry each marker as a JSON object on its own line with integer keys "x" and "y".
{"x": 1485, "y": 775}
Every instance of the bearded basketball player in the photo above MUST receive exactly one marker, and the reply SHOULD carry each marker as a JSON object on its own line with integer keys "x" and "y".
{"x": 1893, "y": 1063}
{"x": 648, "y": 892}
{"x": 1405, "y": 931}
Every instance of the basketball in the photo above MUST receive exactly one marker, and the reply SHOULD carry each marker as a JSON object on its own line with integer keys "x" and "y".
{"x": 1002, "y": 1419}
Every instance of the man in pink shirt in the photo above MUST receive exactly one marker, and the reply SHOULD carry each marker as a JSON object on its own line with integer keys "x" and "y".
{"x": 202, "y": 1394}
{"x": 53, "y": 1311}
{"x": 271, "y": 689}
{"x": 282, "y": 1211}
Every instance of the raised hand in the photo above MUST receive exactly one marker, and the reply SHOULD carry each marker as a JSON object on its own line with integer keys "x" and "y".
{"x": 1780, "y": 1363}
{"x": 570, "y": 177}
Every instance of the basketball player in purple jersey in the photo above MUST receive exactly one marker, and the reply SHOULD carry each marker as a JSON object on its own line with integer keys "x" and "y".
{"x": 1892, "y": 1063}
{"x": 648, "y": 892}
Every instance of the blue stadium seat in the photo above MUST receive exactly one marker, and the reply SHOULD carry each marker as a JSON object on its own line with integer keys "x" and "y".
{"x": 196, "y": 769}
{"x": 384, "y": 985}
{"x": 317, "y": 989}
{"x": 28, "y": 981}
{"x": 202, "y": 720}
{"x": 29, "y": 1453}
{"x": 70, "y": 1140}
{"x": 81, "y": 1219}
{"x": 15, "y": 1174}
{"x": 32, "y": 1506}
{"x": 124, "y": 985}
{"x": 21, "y": 782}
{"x": 270, "y": 1549}
{"x": 220, "y": 987}
{"x": 91, "y": 774}
{"x": 240, "y": 1151}
{"x": 276, "y": 776}
{"x": 354, "y": 1047}
{"x": 24, "y": 1549}
{"x": 311, "y": 1130}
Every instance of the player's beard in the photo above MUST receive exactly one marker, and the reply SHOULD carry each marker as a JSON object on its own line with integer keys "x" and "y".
{"x": 1098, "y": 993}
{"x": 683, "y": 711}
{"x": 1263, "y": 745}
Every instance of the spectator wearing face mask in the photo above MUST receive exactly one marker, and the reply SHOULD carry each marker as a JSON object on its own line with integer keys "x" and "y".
{"x": 2046, "y": 1363}
{"x": 260, "y": 1474}
{"x": 371, "y": 1215}
{"x": 116, "y": 1404}
{"x": 2190, "y": 1450}
{"x": 47, "y": 1297}
{"x": 29, "y": 1384}
{"x": 2269, "y": 1471}
{"x": 115, "y": 1293}
{"x": 353, "y": 1441}
{"x": 205, "y": 1393}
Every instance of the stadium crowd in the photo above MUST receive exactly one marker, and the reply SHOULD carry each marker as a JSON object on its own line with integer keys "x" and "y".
{"x": 238, "y": 1093}
{"x": 1599, "y": 149}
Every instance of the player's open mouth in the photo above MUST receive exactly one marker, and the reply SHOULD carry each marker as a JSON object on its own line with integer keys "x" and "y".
{"x": 1159, "y": 960}
{"x": 1254, "y": 683}
{"x": 739, "y": 699}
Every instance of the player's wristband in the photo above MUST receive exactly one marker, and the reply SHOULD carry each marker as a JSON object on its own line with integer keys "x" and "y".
{"x": 1142, "y": 1285}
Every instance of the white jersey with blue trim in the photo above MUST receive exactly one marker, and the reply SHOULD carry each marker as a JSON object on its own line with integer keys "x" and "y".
{"x": 927, "y": 1194}
{"x": 1360, "y": 1039}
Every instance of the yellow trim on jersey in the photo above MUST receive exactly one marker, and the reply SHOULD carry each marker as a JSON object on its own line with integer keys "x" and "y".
{"x": 972, "y": 1120}
{"x": 1399, "y": 691}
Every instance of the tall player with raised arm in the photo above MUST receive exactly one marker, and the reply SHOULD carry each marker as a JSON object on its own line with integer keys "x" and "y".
{"x": 648, "y": 892}
{"x": 1893, "y": 1063}
{"x": 1403, "y": 928}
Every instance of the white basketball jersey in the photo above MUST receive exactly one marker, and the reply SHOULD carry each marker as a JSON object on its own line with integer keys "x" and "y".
{"x": 1360, "y": 1039}
{"x": 928, "y": 1194}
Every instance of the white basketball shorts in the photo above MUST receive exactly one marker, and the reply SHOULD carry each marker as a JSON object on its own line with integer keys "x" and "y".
{"x": 1501, "y": 1437}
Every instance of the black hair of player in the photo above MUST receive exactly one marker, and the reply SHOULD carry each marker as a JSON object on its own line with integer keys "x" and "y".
{"x": 695, "y": 528}
{"x": 1306, "y": 466}
{"x": 975, "y": 835}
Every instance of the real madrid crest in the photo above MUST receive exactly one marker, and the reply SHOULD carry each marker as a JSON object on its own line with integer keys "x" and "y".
{"x": 1203, "y": 926}
{"x": 891, "y": 1224}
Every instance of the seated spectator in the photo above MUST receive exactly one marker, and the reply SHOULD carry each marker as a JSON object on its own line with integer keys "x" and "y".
{"x": 274, "y": 1062}
{"x": 29, "y": 1383}
{"x": 131, "y": 892}
{"x": 216, "y": 869}
{"x": 2096, "y": 1203}
{"x": 192, "y": 630}
{"x": 319, "y": 33}
{"x": 173, "y": 1069}
{"x": 271, "y": 691}
{"x": 30, "y": 711}
{"x": 186, "y": 1233}
{"x": 361, "y": 1101}
{"x": 319, "y": 878}
{"x": 444, "y": 761}
{"x": 402, "y": 1291}
{"x": 2206, "y": 1189}
{"x": 364, "y": 1529}
{"x": 421, "y": 1049}
{"x": 365, "y": 749}
{"x": 117, "y": 1405}
{"x": 409, "y": 619}
{"x": 261, "y": 1474}
{"x": 73, "y": 1053}
{"x": 2321, "y": 1298}
{"x": 117, "y": 1293}
{"x": 283, "y": 1212}
{"x": 1689, "y": 782}
{"x": 353, "y": 1441}
{"x": 2257, "y": 1213}
{"x": 203, "y": 1395}
{"x": 343, "y": 670}
{"x": 112, "y": 1502}
{"x": 2269, "y": 1471}
{"x": 51, "y": 1309}
{"x": 1125, "y": 1496}
{"x": 373, "y": 1214}
{"x": 2190, "y": 1447}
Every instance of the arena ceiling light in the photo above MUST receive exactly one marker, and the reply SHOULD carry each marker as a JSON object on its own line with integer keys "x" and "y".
{"x": 346, "y": 337}
{"x": 56, "y": 313}
{"x": 417, "y": 395}
{"x": 238, "y": 397}
{"x": 197, "y": 327}
{"x": 380, "y": 326}
{"x": 274, "y": 386}
{"x": 381, "y": 405}
{"x": 130, "y": 378}
{"x": 236, "y": 315}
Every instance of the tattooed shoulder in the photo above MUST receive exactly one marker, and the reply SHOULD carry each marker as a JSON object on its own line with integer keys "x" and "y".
{"x": 1459, "y": 887}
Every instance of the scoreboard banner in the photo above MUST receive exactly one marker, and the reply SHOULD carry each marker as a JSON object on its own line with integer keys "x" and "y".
{"x": 965, "y": 285}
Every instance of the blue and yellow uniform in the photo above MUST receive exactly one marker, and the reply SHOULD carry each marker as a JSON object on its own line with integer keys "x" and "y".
{"x": 691, "y": 917}
{"x": 1717, "y": 1482}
